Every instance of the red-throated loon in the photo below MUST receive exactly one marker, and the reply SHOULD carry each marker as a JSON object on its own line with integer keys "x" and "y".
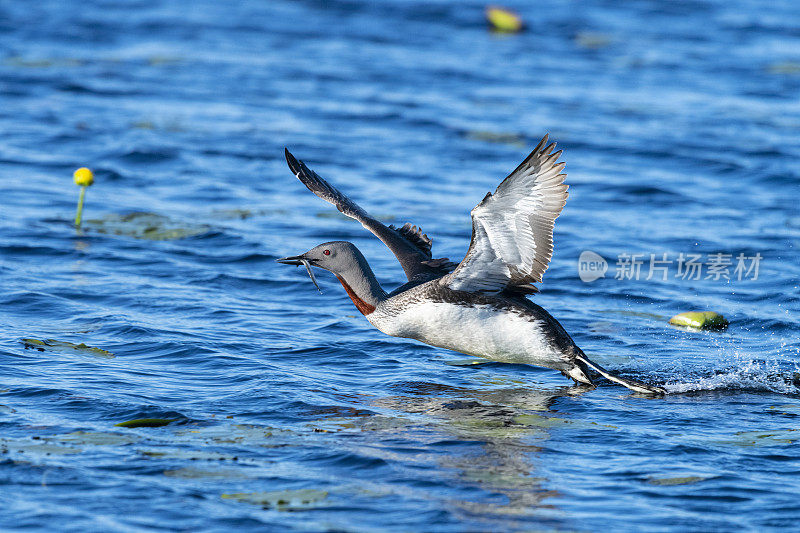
{"x": 477, "y": 307}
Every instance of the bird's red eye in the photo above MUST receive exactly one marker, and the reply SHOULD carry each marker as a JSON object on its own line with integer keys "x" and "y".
{"x": 326, "y": 252}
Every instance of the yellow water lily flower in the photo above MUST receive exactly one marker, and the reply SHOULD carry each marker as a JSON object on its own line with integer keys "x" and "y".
{"x": 504, "y": 20}
{"x": 83, "y": 177}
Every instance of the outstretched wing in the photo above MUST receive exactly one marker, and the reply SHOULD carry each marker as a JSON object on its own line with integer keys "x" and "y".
{"x": 411, "y": 247}
{"x": 512, "y": 230}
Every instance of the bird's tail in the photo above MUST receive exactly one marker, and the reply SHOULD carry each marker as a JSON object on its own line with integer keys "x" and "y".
{"x": 630, "y": 383}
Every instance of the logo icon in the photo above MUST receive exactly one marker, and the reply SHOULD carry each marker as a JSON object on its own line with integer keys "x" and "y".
{"x": 591, "y": 266}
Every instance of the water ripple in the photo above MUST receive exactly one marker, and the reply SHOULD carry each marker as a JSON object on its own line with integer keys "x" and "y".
{"x": 679, "y": 124}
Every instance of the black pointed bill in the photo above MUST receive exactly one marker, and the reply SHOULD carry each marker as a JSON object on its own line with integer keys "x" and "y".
{"x": 298, "y": 260}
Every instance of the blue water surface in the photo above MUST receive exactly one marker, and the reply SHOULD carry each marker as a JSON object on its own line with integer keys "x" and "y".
{"x": 680, "y": 124}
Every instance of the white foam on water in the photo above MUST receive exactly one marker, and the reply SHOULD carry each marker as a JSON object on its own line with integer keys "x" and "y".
{"x": 767, "y": 376}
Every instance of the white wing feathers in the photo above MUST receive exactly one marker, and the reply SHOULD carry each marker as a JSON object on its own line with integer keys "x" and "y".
{"x": 512, "y": 230}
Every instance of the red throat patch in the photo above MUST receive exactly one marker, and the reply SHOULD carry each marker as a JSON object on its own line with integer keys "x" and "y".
{"x": 361, "y": 305}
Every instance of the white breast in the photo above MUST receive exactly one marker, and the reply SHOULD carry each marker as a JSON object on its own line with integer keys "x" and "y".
{"x": 482, "y": 330}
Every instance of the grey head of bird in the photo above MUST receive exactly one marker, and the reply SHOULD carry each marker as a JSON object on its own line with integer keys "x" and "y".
{"x": 334, "y": 256}
{"x": 346, "y": 262}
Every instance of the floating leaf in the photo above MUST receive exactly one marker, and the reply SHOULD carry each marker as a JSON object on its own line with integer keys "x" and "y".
{"x": 150, "y": 226}
{"x": 504, "y": 21}
{"x": 670, "y": 481}
{"x": 146, "y": 422}
{"x": 700, "y": 320}
{"x": 52, "y": 345}
{"x": 283, "y": 500}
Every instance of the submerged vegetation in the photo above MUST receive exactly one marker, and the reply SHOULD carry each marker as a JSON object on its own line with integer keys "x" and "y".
{"x": 147, "y": 226}
{"x": 56, "y": 346}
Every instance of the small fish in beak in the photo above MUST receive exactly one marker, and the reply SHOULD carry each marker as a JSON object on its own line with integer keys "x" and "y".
{"x": 301, "y": 260}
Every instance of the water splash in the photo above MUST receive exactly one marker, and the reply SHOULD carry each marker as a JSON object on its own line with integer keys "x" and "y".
{"x": 754, "y": 375}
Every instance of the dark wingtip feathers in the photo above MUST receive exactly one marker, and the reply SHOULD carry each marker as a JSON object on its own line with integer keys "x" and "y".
{"x": 542, "y": 143}
{"x": 414, "y": 235}
{"x": 309, "y": 178}
{"x": 294, "y": 164}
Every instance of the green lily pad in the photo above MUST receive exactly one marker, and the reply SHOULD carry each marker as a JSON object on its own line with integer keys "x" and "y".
{"x": 52, "y": 345}
{"x": 700, "y": 320}
{"x": 146, "y": 422}
{"x": 503, "y": 21}
{"x": 149, "y": 226}
{"x": 282, "y": 500}
{"x": 670, "y": 481}
{"x": 95, "y": 438}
